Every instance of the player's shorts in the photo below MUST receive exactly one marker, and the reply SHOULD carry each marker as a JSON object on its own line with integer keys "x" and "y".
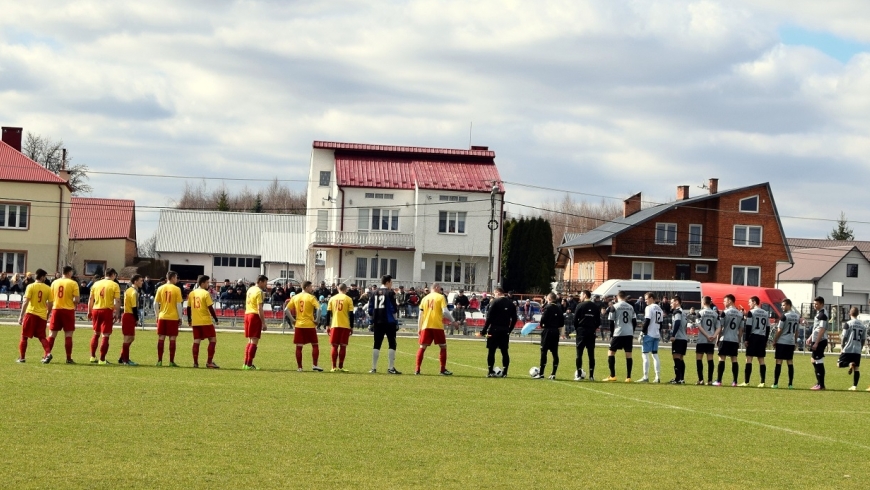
{"x": 202, "y": 332}
{"x": 339, "y": 336}
{"x": 430, "y": 335}
{"x": 305, "y": 335}
{"x": 784, "y": 352}
{"x": 128, "y": 325}
{"x": 550, "y": 339}
{"x": 33, "y": 326}
{"x": 757, "y": 346}
{"x": 623, "y": 342}
{"x": 63, "y": 320}
{"x": 705, "y": 348}
{"x": 168, "y": 328}
{"x": 820, "y": 352}
{"x": 103, "y": 320}
{"x": 680, "y": 346}
{"x": 650, "y": 344}
{"x": 728, "y": 349}
{"x": 498, "y": 341}
{"x": 254, "y": 326}
{"x": 846, "y": 359}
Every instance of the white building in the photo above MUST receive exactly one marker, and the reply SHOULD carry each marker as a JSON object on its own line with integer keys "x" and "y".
{"x": 229, "y": 245}
{"x": 418, "y": 214}
{"x": 816, "y": 269}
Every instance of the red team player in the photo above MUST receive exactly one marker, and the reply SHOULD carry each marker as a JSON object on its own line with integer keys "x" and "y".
{"x": 34, "y": 313}
{"x": 340, "y": 318}
{"x": 255, "y": 321}
{"x": 168, "y": 300}
{"x": 201, "y": 318}
{"x": 130, "y": 318}
{"x": 65, "y": 292}
{"x": 304, "y": 310}
{"x": 433, "y": 309}
{"x": 103, "y": 308}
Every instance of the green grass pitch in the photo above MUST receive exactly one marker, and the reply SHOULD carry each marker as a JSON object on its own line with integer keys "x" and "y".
{"x": 88, "y": 426}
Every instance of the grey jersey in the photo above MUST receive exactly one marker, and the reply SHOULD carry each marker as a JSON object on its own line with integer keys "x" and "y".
{"x": 758, "y": 320}
{"x": 820, "y": 327}
{"x": 732, "y": 321}
{"x": 854, "y": 335}
{"x": 624, "y": 318}
{"x": 788, "y": 325}
{"x": 708, "y": 320}
{"x": 679, "y": 331}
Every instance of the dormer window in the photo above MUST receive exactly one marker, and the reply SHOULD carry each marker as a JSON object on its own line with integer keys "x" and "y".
{"x": 749, "y": 205}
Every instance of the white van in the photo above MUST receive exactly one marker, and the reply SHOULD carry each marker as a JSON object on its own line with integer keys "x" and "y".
{"x": 688, "y": 291}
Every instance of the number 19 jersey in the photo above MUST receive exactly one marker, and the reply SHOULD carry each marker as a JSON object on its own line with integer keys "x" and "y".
{"x": 623, "y": 318}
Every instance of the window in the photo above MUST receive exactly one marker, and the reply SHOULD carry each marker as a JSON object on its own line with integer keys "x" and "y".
{"x": 453, "y": 198}
{"x": 470, "y": 274}
{"x": 324, "y": 178}
{"x": 249, "y": 262}
{"x": 381, "y": 219}
{"x": 361, "y": 266}
{"x": 225, "y": 261}
{"x": 94, "y": 266}
{"x": 378, "y": 195}
{"x": 749, "y": 205}
{"x": 586, "y": 271}
{"x": 747, "y": 236}
{"x": 394, "y": 265}
{"x": 232, "y": 261}
{"x": 695, "y": 232}
{"x": 217, "y": 262}
{"x": 742, "y": 275}
{"x": 702, "y": 268}
{"x": 448, "y": 271}
{"x": 666, "y": 234}
{"x": 451, "y": 222}
{"x": 641, "y": 270}
{"x": 13, "y": 262}
{"x": 257, "y": 263}
{"x": 851, "y": 270}
{"x": 322, "y": 219}
{"x": 14, "y": 216}
{"x": 287, "y": 274}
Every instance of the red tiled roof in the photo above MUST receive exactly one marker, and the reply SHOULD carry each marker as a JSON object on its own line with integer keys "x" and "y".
{"x": 473, "y": 177}
{"x": 16, "y": 167}
{"x": 330, "y": 145}
{"x": 374, "y": 172}
{"x": 95, "y": 219}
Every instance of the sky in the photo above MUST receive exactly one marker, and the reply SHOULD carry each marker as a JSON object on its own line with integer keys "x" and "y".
{"x": 603, "y": 97}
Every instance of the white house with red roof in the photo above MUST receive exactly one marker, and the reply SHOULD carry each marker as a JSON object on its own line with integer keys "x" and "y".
{"x": 418, "y": 214}
{"x": 102, "y": 234}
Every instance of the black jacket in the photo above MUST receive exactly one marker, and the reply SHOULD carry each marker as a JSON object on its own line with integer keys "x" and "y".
{"x": 501, "y": 317}
{"x": 587, "y": 319}
{"x": 552, "y": 316}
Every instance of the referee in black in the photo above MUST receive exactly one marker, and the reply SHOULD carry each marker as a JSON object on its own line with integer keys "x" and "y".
{"x": 587, "y": 319}
{"x": 552, "y": 322}
{"x": 501, "y": 317}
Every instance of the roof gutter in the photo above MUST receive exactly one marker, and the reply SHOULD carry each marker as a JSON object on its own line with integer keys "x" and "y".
{"x": 59, "y": 222}
{"x": 341, "y": 228}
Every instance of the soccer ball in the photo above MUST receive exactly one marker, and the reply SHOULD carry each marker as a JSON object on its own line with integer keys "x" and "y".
{"x": 579, "y": 374}
{"x": 534, "y": 371}
{"x": 497, "y": 371}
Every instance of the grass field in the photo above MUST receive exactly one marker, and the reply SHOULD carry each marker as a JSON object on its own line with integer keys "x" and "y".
{"x": 88, "y": 426}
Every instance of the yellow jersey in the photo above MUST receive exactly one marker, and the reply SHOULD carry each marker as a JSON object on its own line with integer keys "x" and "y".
{"x": 303, "y": 306}
{"x": 198, "y": 301}
{"x": 432, "y": 311}
{"x": 169, "y": 297}
{"x": 105, "y": 292}
{"x": 340, "y": 305}
{"x": 253, "y": 300}
{"x": 37, "y": 295}
{"x": 64, "y": 290}
{"x": 131, "y": 299}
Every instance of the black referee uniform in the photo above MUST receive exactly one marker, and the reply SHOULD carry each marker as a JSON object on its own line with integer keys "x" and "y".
{"x": 552, "y": 321}
{"x": 501, "y": 318}
{"x": 587, "y": 319}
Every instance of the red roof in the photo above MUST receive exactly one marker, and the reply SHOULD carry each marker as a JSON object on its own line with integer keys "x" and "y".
{"x": 16, "y": 167}
{"x": 92, "y": 218}
{"x": 330, "y": 145}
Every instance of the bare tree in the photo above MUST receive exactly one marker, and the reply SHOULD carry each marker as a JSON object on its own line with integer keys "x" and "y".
{"x": 570, "y": 216}
{"x": 276, "y": 198}
{"x": 49, "y": 154}
{"x": 148, "y": 247}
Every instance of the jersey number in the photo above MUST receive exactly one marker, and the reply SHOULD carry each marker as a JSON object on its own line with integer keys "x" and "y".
{"x": 709, "y": 323}
{"x": 379, "y": 302}
{"x": 196, "y": 303}
{"x": 733, "y": 324}
{"x": 659, "y": 317}
{"x": 431, "y": 305}
{"x": 60, "y": 292}
{"x": 340, "y": 306}
{"x": 166, "y": 295}
{"x": 39, "y": 297}
{"x": 859, "y": 335}
{"x": 624, "y": 317}
{"x": 103, "y": 293}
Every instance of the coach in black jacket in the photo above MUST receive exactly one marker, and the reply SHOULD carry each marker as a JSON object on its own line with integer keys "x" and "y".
{"x": 552, "y": 322}
{"x": 587, "y": 319}
{"x": 501, "y": 317}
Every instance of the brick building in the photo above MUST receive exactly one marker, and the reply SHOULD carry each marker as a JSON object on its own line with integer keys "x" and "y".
{"x": 733, "y": 236}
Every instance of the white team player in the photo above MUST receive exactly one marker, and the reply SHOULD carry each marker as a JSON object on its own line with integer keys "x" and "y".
{"x": 652, "y": 327}
{"x": 624, "y": 319}
{"x": 854, "y": 335}
{"x": 784, "y": 342}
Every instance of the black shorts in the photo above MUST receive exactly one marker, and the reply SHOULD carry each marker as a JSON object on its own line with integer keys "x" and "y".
{"x": 728, "y": 349}
{"x": 497, "y": 341}
{"x": 757, "y": 346}
{"x": 679, "y": 346}
{"x": 784, "y": 352}
{"x": 550, "y": 338}
{"x": 704, "y": 348}
{"x": 820, "y": 352}
{"x": 625, "y": 342}
{"x": 586, "y": 342}
{"x": 846, "y": 359}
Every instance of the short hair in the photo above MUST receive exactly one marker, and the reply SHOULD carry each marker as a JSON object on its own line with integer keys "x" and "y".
{"x": 819, "y": 299}
{"x": 620, "y": 294}
{"x": 202, "y": 279}
{"x": 135, "y": 278}
{"x": 787, "y": 302}
{"x": 262, "y": 278}
{"x": 677, "y": 299}
{"x": 67, "y": 269}
{"x": 171, "y": 274}
{"x": 706, "y": 300}
{"x": 755, "y": 300}
{"x": 551, "y": 296}
{"x": 730, "y": 297}
{"x": 306, "y": 284}
{"x": 342, "y": 287}
{"x": 587, "y": 292}
{"x": 499, "y": 289}
{"x": 853, "y": 311}
{"x": 385, "y": 279}
{"x": 40, "y": 274}
{"x": 111, "y": 272}
{"x": 650, "y": 295}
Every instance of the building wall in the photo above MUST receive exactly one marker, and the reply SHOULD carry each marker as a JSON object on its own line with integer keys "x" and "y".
{"x": 273, "y": 271}
{"x": 40, "y": 240}
{"x": 113, "y": 252}
{"x": 856, "y": 290}
{"x": 798, "y": 292}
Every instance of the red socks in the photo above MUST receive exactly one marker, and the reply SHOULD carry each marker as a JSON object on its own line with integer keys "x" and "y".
{"x": 160, "y": 344}
{"x": 68, "y": 346}
{"x": 341, "y": 353}
{"x": 22, "y": 347}
{"x": 211, "y": 346}
{"x": 50, "y": 344}
{"x": 315, "y": 353}
{"x": 104, "y": 348}
{"x": 333, "y": 353}
{"x": 420, "y": 353}
{"x": 45, "y": 346}
{"x": 95, "y": 342}
{"x": 171, "y": 351}
{"x": 195, "y": 353}
{"x": 250, "y": 352}
{"x": 125, "y": 352}
{"x": 442, "y": 356}
{"x": 299, "y": 356}
{"x": 253, "y": 353}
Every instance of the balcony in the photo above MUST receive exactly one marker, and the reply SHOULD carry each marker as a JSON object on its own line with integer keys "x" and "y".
{"x": 649, "y": 248}
{"x": 355, "y": 239}
{"x": 694, "y": 250}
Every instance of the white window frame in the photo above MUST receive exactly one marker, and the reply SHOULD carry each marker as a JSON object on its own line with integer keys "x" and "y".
{"x": 666, "y": 231}
{"x": 745, "y": 274}
{"x": 699, "y": 237}
{"x": 369, "y": 215}
{"x": 702, "y": 268}
{"x": 6, "y": 209}
{"x": 19, "y": 264}
{"x": 445, "y": 198}
{"x": 746, "y": 242}
{"x": 378, "y": 195}
{"x": 456, "y": 217}
{"x": 287, "y": 274}
{"x": 322, "y": 220}
{"x": 652, "y": 270}
{"x": 757, "y": 204}
{"x": 441, "y": 267}
{"x": 586, "y": 271}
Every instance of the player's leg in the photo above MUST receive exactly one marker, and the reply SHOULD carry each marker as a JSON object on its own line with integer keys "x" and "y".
{"x": 315, "y": 353}
{"x": 333, "y": 354}
{"x": 629, "y": 362}
{"x": 790, "y": 372}
{"x": 442, "y": 357}
{"x": 747, "y": 371}
{"x": 376, "y": 348}
{"x": 818, "y": 358}
{"x": 161, "y": 340}
{"x": 212, "y": 345}
{"x": 173, "y": 336}
{"x": 735, "y": 369}
{"x": 104, "y": 347}
{"x": 578, "y": 363}
{"x": 657, "y": 364}
{"x": 720, "y": 372}
{"x": 644, "y": 354}
{"x": 611, "y": 364}
{"x": 491, "y": 347}
{"x": 391, "y": 343}
{"x": 342, "y": 352}
{"x": 195, "y": 350}
{"x": 503, "y": 344}
{"x": 553, "y": 347}
{"x": 68, "y": 344}
{"x": 777, "y": 370}
{"x": 710, "y": 366}
{"x": 252, "y": 351}
{"x": 590, "y": 353}
{"x": 542, "y": 364}
{"x": 105, "y": 333}
{"x": 128, "y": 331}
{"x": 699, "y": 366}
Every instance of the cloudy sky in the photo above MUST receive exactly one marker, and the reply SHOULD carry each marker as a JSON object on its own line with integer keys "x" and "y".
{"x": 601, "y": 97}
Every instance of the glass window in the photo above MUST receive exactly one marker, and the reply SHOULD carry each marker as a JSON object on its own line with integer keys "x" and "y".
{"x": 749, "y": 205}
{"x": 747, "y": 236}
{"x": 2, "y": 215}
{"x": 438, "y": 268}
{"x": 738, "y": 276}
{"x": 12, "y": 262}
{"x": 851, "y": 270}
{"x": 94, "y": 266}
{"x": 225, "y": 261}
{"x": 374, "y": 274}
{"x": 241, "y": 261}
{"x": 324, "y": 178}
{"x": 217, "y": 261}
{"x": 457, "y": 272}
{"x": 746, "y": 275}
{"x": 361, "y": 264}
{"x": 451, "y": 222}
{"x": 442, "y": 222}
{"x": 13, "y": 211}
{"x": 448, "y": 271}
{"x": 370, "y": 195}
{"x": 376, "y": 219}
{"x": 249, "y": 262}
{"x": 394, "y": 223}
{"x": 753, "y": 276}
{"x": 394, "y": 265}
{"x": 642, "y": 270}
{"x": 232, "y": 261}
{"x": 702, "y": 268}
{"x": 322, "y": 219}
{"x": 363, "y": 221}
{"x": 666, "y": 234}
{"x": 470, "y": 275}
{"x": 257, "y": 263}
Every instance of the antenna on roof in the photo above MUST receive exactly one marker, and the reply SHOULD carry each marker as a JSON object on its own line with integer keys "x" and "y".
{"x": 470, "y": 127}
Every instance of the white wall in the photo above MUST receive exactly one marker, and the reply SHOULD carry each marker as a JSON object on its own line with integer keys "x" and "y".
{"x": 855, "y": 289}
{"x": 797, "y": 292}
{"x": 217, "y": 273}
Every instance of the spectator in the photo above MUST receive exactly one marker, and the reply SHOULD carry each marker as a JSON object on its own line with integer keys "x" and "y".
{"x": 461, "y": 300}
{"x": 333, "y": 291}
{"x": 324, "y": 306}
{"x": 527, "y": 311}
{"x": 28, "y": 280}
{"x": 4, "y": 283}
{"x": 402, "y": 300}
{"x": 354, "y": 294}
{"x": 413, "y": 303}
{"x": 458, "y": 320}
{"x": 240, "y": 288}
{"x": 484, "y": 303}
{"x": 147, "y": 287}
{"x": 322, "y": 290}
{"x": 474, "y": 303}
{"x": 84, "y": 291}
{"x": 228, "y": 300}
{"x": 605, "y": 324}
{"x": 16, "y": 284}
{"x": 278, "y": 298}
{"x": 226, "y": 286}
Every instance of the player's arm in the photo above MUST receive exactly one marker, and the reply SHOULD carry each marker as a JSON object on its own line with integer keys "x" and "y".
{"x": 23, "y": 310}
{"x": 189, "y": 313}
{"x": 645, "y": 327}
{"x": 213, "y": 314}
{"x": 260, "y": 312}
{"x": 350, "y": 320}
{"x": 778, "y": 333}
{"x": 678, "y": 323}
{"x": 90, "y": 305}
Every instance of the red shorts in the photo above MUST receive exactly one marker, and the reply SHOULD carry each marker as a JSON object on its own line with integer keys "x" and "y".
{"x": 103, "y": 320}
{"x": 302, "y": 336}
{"x": 339, "y": 336}
{"x": 168, "y": 328}
{"x": 128, "y": 325}
{"x": 202, "y": 332}
{"x": 253, "y": 326}
{"x": 430, "y": 335}
{"x": 33, "y": 326}
{"x": 63, "y": 320}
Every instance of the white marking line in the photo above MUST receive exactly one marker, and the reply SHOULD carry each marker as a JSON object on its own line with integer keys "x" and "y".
{"x": 439, "y": 360}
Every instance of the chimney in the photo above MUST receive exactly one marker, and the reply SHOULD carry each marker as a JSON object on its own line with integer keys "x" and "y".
{"x": 631, "y": 205}
{"x": 713, "y": 185}
{"x": 480, "y": 148}
{"x": 12, "y": 137}
{"x": 682, "y": 192}
{"x": 63, "y": 173}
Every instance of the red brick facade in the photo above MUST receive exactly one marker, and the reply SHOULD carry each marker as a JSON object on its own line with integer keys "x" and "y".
{"x": 717, "y": 215}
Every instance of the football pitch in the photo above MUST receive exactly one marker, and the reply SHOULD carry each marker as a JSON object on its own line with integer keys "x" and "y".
{"x": 88, "y": 426}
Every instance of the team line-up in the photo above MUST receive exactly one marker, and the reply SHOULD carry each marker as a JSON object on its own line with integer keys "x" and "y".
{"x": 729, "y": 328}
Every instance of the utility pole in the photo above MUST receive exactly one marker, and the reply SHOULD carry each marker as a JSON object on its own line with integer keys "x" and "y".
{"x": 492, "y": 225}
